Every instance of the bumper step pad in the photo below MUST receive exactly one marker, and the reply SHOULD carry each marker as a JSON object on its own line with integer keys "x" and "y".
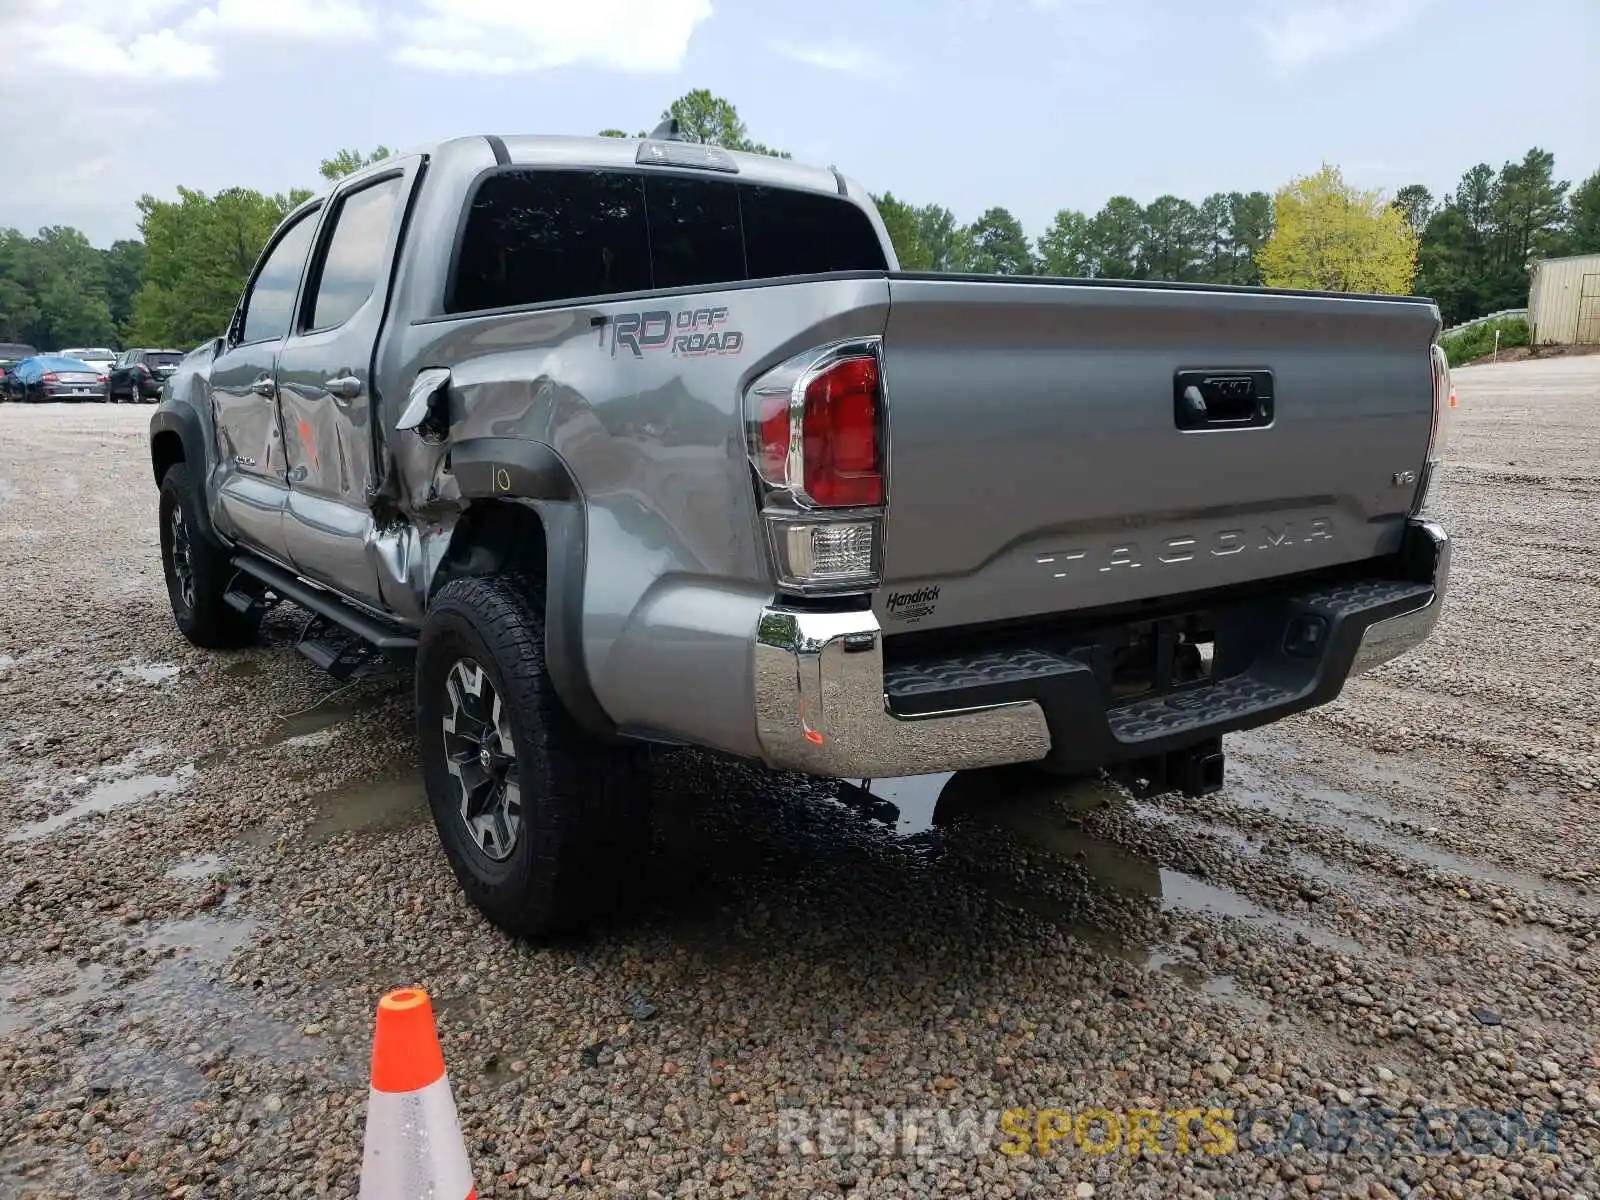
{"x": 1086, "y": 727}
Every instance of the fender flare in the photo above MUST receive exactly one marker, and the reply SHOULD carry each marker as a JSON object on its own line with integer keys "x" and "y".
{"x": 566, "y": 557}
{"x": 182, "y": 420}
{"x": 533, "y": 475}
{"x": 487, "y": 468}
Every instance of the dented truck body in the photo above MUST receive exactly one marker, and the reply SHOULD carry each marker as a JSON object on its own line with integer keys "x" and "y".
{"x": 877, "y": 522}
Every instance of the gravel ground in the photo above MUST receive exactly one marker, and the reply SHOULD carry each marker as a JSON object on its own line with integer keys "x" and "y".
{"x": 208, "y": 877}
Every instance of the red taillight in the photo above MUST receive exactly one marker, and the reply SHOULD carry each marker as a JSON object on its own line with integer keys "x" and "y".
{"x": 49, "y": 377}
{"x": 774, "y": 451}
{"x": 143, "y": 369}
{"x": 840, "y": 461}
{"x": 817, "y": 437}
{"x": 842, "y": 465}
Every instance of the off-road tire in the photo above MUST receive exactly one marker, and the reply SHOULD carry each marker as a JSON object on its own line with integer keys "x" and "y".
{"x": 585, "y": 803}
{"x": 204, "y": 618}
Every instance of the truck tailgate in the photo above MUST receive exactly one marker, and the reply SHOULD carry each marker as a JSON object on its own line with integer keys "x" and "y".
{"x": 1037, "y": 464}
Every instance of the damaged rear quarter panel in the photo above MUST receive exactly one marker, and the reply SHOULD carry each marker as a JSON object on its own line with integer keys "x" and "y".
{"x": 650, "y": 427}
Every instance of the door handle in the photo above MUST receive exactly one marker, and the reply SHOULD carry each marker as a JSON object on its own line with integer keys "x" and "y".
{"x": 345, "y": 387}
{"x": 264, "y": 387}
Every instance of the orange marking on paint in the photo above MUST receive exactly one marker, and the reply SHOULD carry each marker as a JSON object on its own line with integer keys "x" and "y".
{"x": 309, "y": 443}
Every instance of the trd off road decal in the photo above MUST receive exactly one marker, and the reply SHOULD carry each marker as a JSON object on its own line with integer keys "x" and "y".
{"x": 689, "y": 331}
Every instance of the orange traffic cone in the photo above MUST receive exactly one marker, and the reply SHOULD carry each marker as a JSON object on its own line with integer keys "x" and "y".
{"x": 414, "y": 1149}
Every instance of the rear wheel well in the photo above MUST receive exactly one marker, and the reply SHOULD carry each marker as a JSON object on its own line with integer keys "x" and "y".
{"x": 494, "y": 537}
{"x": 166, "y": 448}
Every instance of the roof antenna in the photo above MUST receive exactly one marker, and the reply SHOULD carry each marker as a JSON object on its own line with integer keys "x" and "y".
{"x": 667, "y": 131}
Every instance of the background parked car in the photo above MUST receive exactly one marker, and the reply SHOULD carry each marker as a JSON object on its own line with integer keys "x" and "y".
{"x": 10, "y": 354}
{"x": 100, "y": 358}
{"x": 53, "y": 377}
{"x": 138, "y": 374}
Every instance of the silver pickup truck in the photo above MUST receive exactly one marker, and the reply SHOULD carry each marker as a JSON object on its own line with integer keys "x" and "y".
{"x": 644, "y": 442}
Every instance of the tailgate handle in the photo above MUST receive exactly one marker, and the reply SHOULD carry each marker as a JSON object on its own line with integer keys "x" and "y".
{"x": 1219, "y": 400}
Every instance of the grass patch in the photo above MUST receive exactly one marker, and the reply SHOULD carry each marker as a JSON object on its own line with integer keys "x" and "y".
{"x": 1478, "y": 342}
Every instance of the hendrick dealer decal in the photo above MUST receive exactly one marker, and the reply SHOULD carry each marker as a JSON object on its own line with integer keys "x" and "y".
{"x": 691, "y": 332}
{"x": 910, "y": 607}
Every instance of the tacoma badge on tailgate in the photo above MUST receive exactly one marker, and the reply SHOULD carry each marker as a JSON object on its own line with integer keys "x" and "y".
{"x": 1186, "y": 547}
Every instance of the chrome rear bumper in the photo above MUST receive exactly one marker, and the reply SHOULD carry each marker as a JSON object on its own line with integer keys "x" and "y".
{"x": 1395, "y": 635}
{"x": 819, "y": 683}
{"x": 820, "y": 707}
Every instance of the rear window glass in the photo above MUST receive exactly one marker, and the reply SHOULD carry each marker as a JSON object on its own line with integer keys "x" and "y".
{"x": 533, "y": 236}
{"x": 163, "y": 360}
{"x": 801, "y": 233}
{"x": 694, "y": 232}
{"x": 539, "y": 236}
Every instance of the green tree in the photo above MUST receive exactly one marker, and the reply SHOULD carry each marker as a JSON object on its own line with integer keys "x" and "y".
{"x": 941, "y": 238}
{"x": 1583, "y": 220}
{"x": 1330, "y": 235}
{"x": 1171, "y": 242}
{"x": 1416, "y": 202}
{"x": 125, "y": 264}
{"x": 201, "y": 250}
{"x": 997, "y": 245}
{"x": 616, "y": 133}
{"x": 1478, "y": 247}
{"x": 1114, "y": 237}
{"x": 1446, "y": 267}
{"x": 1249, "y": 227}
{"x": 55, "y": 289}
{"x": 1530, "y": 210}
{"x": 711, "y": 120}
{"x": 19, "y": 306}
{"x": 1216, "y": 247}
{"x": 348, "y": 162}
{"x": 1064, "y": 247}
{"x": 905, "y": 232}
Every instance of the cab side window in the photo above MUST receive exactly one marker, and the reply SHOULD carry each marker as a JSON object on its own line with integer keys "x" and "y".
{"x": 355, "y": 256}
{"x": 269, "y": 307}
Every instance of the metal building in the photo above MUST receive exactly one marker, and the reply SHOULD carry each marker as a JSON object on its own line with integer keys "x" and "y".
{"x": 1564, "y": 301}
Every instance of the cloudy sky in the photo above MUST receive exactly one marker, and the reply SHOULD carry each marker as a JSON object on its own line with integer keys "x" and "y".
{"x": 1034, "y": 104}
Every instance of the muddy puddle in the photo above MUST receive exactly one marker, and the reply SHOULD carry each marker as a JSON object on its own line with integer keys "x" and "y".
{"x": 201, "y": 866}
{"x": 57, "y": 988}
{"x": 110, "y": 794}
{"x": 317, "y": 724}
{"x": 384, "y": 806}
{"x": 162, "y": 984}
{"x": 1366, "y": 819}
{"x": 1046, "y": 815}
{"x": 148, "y": 1025}
{"x": 151, "y": 673}
{"x": 1372, "y": 890}
{"x": 393, "y": 803}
